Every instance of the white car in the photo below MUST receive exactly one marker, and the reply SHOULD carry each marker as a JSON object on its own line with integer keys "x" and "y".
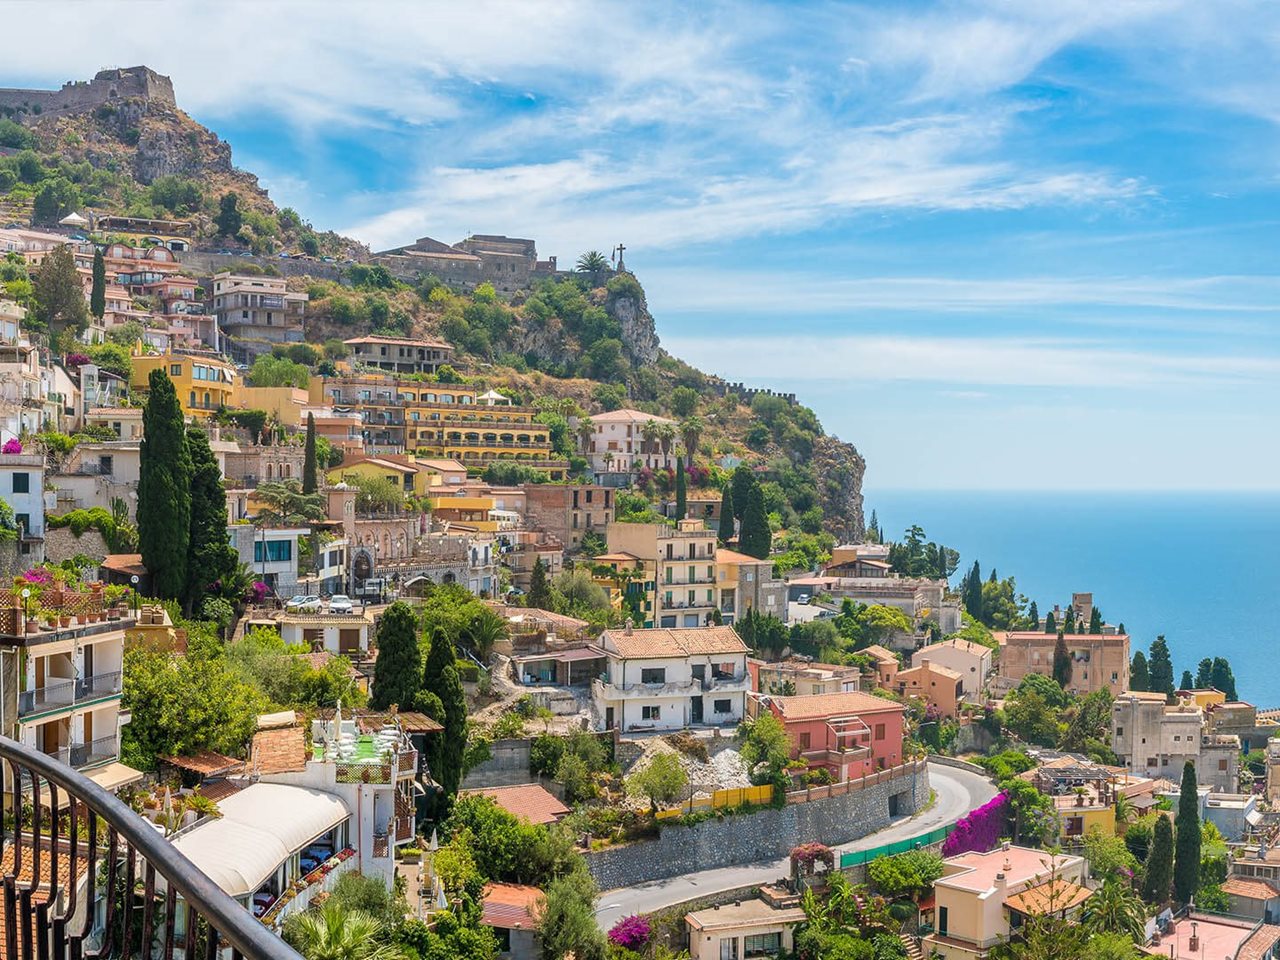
{"x": 339, "y": 603}
{"x": 307, "y": 604}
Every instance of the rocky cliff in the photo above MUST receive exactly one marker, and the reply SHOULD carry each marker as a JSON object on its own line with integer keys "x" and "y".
{"x": 639, "y": 333}
{"x": 839, "y": 468}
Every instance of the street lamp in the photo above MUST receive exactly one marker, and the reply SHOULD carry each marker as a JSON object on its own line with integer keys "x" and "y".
{"x": 26, "y": 607}
{"x": 134, "y": 580}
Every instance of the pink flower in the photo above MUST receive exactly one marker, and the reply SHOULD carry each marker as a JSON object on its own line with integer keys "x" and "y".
{"x": 12, "y": 446}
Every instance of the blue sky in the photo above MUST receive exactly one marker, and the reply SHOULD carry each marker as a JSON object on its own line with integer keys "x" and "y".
{"x": 996, "y": 245}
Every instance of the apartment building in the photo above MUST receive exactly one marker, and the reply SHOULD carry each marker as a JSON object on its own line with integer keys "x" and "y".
{"x": 22, "y": 488}
{"x": 747, "y": 583}
{"x": 254, "y": 313}
{"x": 940, "y": 687}
{"x": 803, "y": 677}
{"x": 568, "y": 512}
{"x": 205, "y": 383}
{"x": 1155, "y": 739}
{"x": 668, "y": 679}
{"x": 400, "y": 355}
{"x": 683, "y": 559}
{"x": 1098, "y": 661}
{"x": 624, "y": 441}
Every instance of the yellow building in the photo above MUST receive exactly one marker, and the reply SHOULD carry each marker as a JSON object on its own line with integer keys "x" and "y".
{"x": 472, "y": 512}
{"x": 621, "y": 575}
{"x": 286, "y": 404}
{"x": 1203, "y": 698}
{"x": 400, "y": 474}
{"x": 204, "y": 383}
{"x": 440, "y": 420}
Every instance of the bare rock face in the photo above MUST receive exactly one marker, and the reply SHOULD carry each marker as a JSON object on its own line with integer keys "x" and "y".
{"x": 839, "y": 468}
{"x": 639, "y": 334}
{"x": 166, "y": 148}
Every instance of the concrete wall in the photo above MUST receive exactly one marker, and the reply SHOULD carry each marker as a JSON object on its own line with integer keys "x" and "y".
{"x": 509, "y": 765}
{"x": 765, "y": 835}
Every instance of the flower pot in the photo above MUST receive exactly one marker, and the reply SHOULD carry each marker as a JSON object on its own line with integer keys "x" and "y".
{"x": 33, "y": 626}
{"x": 64, "y": 621}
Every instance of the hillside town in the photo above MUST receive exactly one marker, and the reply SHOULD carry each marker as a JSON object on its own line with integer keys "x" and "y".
{"x": 355, "y": 647}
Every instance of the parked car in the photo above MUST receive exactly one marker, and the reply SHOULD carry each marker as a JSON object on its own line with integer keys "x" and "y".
{"x": 306, "y": 604}
{"x": 340, "y": 603}
{"x": 803, "y": 598}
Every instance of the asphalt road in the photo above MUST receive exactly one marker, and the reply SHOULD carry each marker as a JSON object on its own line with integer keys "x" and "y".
{"x": 958, "y": 792}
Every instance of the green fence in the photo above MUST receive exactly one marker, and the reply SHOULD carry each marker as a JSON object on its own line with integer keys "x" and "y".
{"x": 859, "y": 857}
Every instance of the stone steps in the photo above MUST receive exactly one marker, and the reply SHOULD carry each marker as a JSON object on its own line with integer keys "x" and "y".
{"x": 913, "y": 946}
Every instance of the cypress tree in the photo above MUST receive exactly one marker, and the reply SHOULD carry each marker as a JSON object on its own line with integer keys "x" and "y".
{"x": 309, "y": 484}
{"x": 1095, "y": 621}
{"x": 1050, "y": 623}
{"x": 1160, "y": 668}
{"x": 398, "y": 670}
{"x": 1138, "y": 677}
{"x": 1033, "y": 614}
{"x": 725, "y": 531}
{"x": 212, "y": 557}
{"x": 1187, "y": 682}
{"x": 1061, "y": 662}
{"x": 1204, "y": 673}
{"x": 446, "y": 759}
{"x": 539, "y": 592}
{"x": 755, "y": 539}
{"x": 971, "y": 592}
{"x": 1186, "y": 865}
{"x": 1159, "y": 872}
{"x": 682, "y": 501}
{"x": 441, "y": 655}
{"x": 1223, "y": 678}
{"x": 743, "y": 481}
{"x": 1121, "y": 629}
{"x": 164, "y": 490}
{"x": 98, "y": 293}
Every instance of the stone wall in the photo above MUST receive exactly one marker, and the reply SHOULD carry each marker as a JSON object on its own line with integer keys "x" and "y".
{"x": 509, "y": 764}
{"x": 763, "y": 836}
{"x": 201, "y": 264}
{"x": 79, "y": 96}
{"x": 62, "y": 544}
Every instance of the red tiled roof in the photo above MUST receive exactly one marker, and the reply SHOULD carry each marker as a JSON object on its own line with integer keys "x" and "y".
{"x": 217, "y": 790}
{"x": 1249, "y": 888}
{"x": 280, "y": 750}
{"x": 510, "y": 905}
{"x": 818, "y": 705}
{"x": 205, "y": 762}
{"x": 1259, "y": 942}
{"x": 528, "y": 801}
{"x": 130, "y": 563}
{"x": 321, "y": 658}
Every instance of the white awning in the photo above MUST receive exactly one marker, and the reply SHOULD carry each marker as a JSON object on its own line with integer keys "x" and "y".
{"x": 260, "y": 827}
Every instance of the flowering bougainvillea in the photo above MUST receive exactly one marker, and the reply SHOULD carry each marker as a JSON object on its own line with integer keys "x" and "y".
{"x": 258, "y": 591}
{"x": 631, "y": 933}
{"x": 12, "y": 446}
{"x": 980, "y": 829}
{"x": 77, "y": 359}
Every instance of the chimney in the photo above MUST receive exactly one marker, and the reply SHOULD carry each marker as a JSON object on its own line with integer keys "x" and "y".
{"x": 626, "y": 629}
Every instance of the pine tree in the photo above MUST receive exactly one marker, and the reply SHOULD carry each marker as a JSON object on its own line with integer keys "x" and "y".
{"x": 682, "y": 502}
{"x": 309, "y": 483}
{"x": 539, "y": 592}
{"x": 873, "y": 528}
{"x": 1159, "y": 872}
{"x": 212, "y": 557}
{"x": 755, "y": 538}
{"x": 1160, "y": 668}
{"x": 98, "y": 294}
{"x": 164, "y": 490}
{"x": 1139, "y": 679}
{"x": 1050, "y": 623}
{"x": 1186, "y": 865}
{"x": 441, "y": 655}
{"x": 1062, "y": 665}
{"x": 1222, "y": 678}
{"x": 971, "y": 592}
{"x": 725, "y": 531}
{"x": 398, "y": 670}
{"x": 1033, "y": 615}
{"x": 743, "y": 481}
{"x": 1095, "y": 621}
{"x": 1188, "y": 682}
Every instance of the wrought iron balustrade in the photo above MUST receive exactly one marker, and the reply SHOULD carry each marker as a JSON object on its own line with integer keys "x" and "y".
{"x": 101, "y": 883}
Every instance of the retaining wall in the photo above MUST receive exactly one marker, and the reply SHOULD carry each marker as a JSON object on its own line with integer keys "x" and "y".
{"x": 508, "y": 765}
{"x": 766, "y": 835}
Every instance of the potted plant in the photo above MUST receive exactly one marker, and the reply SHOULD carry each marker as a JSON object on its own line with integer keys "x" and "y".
{"x": 64, "y": 620}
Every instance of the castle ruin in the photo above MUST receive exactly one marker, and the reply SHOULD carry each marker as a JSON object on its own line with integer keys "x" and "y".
{"x": 82, "y": 96}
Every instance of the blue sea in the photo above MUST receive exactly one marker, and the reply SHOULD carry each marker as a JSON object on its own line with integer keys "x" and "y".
{"x": 1202, "y": 569}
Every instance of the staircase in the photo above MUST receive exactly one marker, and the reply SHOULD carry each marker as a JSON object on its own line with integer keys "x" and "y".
{"x": 912, "y": 945}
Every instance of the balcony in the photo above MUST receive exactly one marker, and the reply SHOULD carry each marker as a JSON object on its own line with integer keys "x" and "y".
{"x": 59, "y": 694}
{"x": 727, "y": 684}
{"x": 685, "y": 605}
{"x": 705, "y": 581}
{"x": 641, "y": 691}
{"x": 127, "y": 854}
{"x": 94, "y": 752}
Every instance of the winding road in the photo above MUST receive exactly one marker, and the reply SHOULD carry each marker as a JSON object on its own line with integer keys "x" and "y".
{"x": 958, "y": 791}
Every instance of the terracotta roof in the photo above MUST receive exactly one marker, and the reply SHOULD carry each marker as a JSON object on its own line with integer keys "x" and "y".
{"x": 528, "y": 801}
{"x": 444, "y": 466}
{"x": 401, "y": 341}
{"x": 968, "y": 646}
{"x": 672, "y": 642}
{"x": 205, "y": 762}
{"x": 217, "y": 790}
{"x": 1259, "y": 942}
{"x": 376, "y": 461}
{"x": 321, "y": 659}
{"x": 1037, "y": 636}
{"x": 617, "y": 557}
{"x": 880, "y": 653}
{"x": 130, "y": 563}
{"x": 831, "y": 705}
{"x": 627, "y": 416}
{"x": 280, "y": 750}
{"x": 1249, "y": 888}
{"x": 1055, "y": 895}
{"x": 41, "y": 892}
{"x": 510, "y": 905}
{"x": 937, "y": 668}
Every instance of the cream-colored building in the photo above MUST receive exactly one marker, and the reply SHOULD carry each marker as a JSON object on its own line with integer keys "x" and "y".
{"x": 982, "y": 898}
{"x": 971, "y": 660}
{"x": 1098, "y": 661}
{"x": 618, "y": 444}
{"x": 737, "y": 931}
{"x": 684, "y": 560}
{"x": 1157, "y": 740}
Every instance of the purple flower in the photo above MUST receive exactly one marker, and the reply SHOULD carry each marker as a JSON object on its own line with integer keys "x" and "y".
{"x": 980, "y": 829}
{"x": 12, "y": 446}
{"x": 631, "y": 933}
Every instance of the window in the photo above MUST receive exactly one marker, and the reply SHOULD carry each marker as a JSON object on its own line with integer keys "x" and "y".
{"x": 942, "y": 921}
{"x": 1222, "y": 765}
{"x": 22, "y": 483}
{"x": 23, "y": 520}
{"x": 762, "y": 944}
{"x": 1119, "y": 731}
{"x": 650, "y": 713}
{"x": 879, "y": 734}
{"x": 726, "y": 706}
{"x": 276, "y": 551}
{"x": 653, "y": 675}
{"x": 804, "y": 741}
{"x": 728, "y": 948}
{"x": 175, "y": 369}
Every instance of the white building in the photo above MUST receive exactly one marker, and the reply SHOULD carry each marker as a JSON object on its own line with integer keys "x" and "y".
{"x": 971, "y": 660}
{"x": 1156, "y": 740}
{"x": 618, "y": 446}
{"x": 271, "y": 552}
{"x": 22, "y": 488}
{"x": 668, "y": 679}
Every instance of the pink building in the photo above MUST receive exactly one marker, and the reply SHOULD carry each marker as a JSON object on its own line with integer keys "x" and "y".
{"x": 850, "y": 734}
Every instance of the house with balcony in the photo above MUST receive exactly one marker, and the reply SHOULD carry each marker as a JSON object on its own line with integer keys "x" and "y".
{"x": 848, "y": 734}
{"x": 683, "y": 561}
{"x": 669, "y": 679}
{"x": 62, "y": 687}
{"x": 254, "y": 313}
{"x": 622, "y": 442}
{"x": 747, "y": 583}
{"x": 397, "y": 355}
{"x": 204, "y": 382}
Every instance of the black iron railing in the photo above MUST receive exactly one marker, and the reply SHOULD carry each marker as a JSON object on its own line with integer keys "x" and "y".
{"x": 99, "y": 883}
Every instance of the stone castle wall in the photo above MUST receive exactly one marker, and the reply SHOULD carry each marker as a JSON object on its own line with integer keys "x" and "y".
{"x": 762, "y": 836}
{"x": 81, "y": 96}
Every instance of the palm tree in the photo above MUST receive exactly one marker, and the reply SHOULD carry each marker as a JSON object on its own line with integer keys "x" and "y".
{"x": 1126, "y": 812}
{"x": 337, "y": 934}
{"x": 649, "y": 430}
{"x": 690, "y": 434}
{"x": 586, "y": 430}
{"x": 667, "y": 439}
{"x": 594, "y": 264}
{"x": 608, "y": 461}
{"x": 484, "y": 631}
{"x": 1115, "y": 908}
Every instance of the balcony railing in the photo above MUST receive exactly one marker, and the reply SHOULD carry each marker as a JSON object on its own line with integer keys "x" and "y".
{"x": 58, "y": 693}
{"x": 72, "y": 906}
{"x": 615, "y": 691}
{"x": 685, "y": 604}
{"x": 99, "y": 685}
{"x": 95, "y": 751}
{"x": 726, "y": 684}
